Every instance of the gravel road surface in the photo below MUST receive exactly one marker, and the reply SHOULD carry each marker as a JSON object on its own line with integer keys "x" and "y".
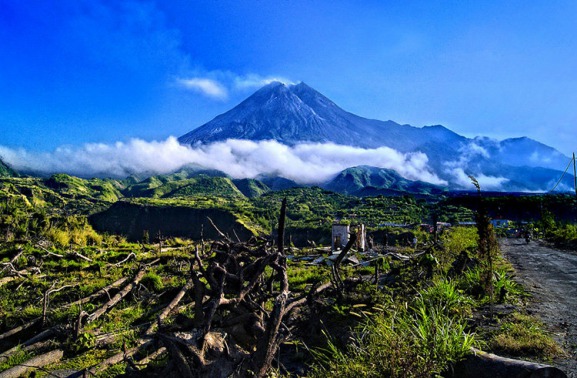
{"x": 550, "y": 275}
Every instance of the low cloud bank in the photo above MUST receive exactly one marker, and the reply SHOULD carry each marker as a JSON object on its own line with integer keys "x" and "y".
{"x": 460, "y": 169}
{"x": 307, "y": 163}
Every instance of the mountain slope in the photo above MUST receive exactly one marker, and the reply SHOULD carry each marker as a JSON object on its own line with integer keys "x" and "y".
{"x": 6, "y": 171}
{"x": 296, "y": 114}
{"x": 364, "y": 180}
{"x": 293, "y": 114}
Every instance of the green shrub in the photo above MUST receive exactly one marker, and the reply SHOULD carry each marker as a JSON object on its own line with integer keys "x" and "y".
{"x": 444, "y": 294}
{"x": 153, "y": 281}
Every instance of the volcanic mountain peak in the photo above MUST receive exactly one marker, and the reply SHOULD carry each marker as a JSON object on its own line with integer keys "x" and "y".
{"x": 286, "y": 113}
{"x": 293, "y": 114}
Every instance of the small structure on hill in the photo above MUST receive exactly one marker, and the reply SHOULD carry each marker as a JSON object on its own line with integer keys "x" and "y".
{"x": 340, "y": 236}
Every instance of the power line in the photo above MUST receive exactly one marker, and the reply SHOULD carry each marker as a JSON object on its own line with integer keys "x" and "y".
{"x": 571, "y": 160}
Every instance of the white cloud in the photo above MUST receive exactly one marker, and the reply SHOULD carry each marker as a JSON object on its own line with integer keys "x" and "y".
{"x": 305, "y": 163}
{"x": 462, "y": 179}
{"x": 252, "y": 81}
{"x": 208, "y": 87}
{"x": 460, "y": 169}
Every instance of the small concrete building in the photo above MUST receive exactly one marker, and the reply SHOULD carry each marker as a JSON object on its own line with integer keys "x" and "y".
{"x": 340, "y": 236}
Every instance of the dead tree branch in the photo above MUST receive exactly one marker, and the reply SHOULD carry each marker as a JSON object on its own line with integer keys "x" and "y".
{"x": 99, "y": 293}
{"x": 130, "y": 255}
{"x": 16, "y": 330}
{"x": 335, "y": 268}
{"x": 118, "y": 297}
{"x": 33, "y": 363}
{"x": 79, "y": 255}
{"x": 47, "y": 299}
{"x": 222, "y": 234}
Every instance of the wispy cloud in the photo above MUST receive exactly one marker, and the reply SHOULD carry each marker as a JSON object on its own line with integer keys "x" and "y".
{"x": 462, "y": 179}
{"x": 467, "y": 163}
{"x": 219, "y": 85}
{"x": 252, "y": 81}
{"x": 208, "y": 87}
{"x": 305, "y": 163}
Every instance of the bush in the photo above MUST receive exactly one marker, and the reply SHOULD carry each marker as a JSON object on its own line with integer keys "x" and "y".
{"x": 60, "y": 238}
{"x": 153, "y": 280}
{"x": 445, "y": 295}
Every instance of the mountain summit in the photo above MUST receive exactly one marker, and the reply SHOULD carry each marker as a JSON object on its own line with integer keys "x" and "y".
{"x": 287, "y": 113}
{"x": 293, "y": 114}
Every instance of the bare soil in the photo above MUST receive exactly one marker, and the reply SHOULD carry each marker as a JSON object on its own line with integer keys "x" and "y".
{"x": 550, "y": 276}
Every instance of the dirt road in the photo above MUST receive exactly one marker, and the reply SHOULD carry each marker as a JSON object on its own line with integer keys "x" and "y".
{"x": 550, "y": 276}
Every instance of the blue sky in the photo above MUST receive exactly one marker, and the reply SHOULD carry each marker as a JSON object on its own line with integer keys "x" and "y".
{"x": 95, "y": 71}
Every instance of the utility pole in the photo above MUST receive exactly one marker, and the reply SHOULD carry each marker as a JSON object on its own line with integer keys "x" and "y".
{"x": 574, "y": 175}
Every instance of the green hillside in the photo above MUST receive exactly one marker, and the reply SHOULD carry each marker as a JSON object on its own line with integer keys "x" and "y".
{"x": 6, "y": 171}
{"x": 168, "y": 187}
{"x": 371, "y": 181}
{"x": 251, "y": 188}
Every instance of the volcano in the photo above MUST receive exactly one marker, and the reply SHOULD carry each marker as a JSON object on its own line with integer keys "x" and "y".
{"x": 295, "y": 114}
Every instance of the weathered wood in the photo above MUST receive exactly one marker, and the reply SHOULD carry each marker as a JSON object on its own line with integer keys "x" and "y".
{"x": 97, "y": 294}
{"x": 168, "y": 309}
{"x": 151, "y": 356}
{"x": 5, "y": 280}
{"x": 179, "y": 359}
{"x": 12, "y": 270}
{"x": 78, "y": 254}
{"x": 281, "y": 226}
{"x": 130, "y": 255}
{"x": 268, "y": 345}
{"x": 33, "y": 363}
{"x": 117, "y": 358}
{"x": 486, "y": 365}
{"x": 117, "y": 298}
{"x": 39, "y": 337}
{"x": 335, "y": 268}
{"x": 302, "y": 300}
{"x": 20, "y": 251}
{"x": 222, "y": 234}
{"x": 49, "y": 252}
{"x": 16, "y": 330}
{"x": 47, "y": 299}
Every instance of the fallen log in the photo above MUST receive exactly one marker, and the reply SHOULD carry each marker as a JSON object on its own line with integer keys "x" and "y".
{"x": 97, "y": 294}
{"x": 39, "y": 337}
{"x": 118, "y": 297}
{"x": 117, "y": 358}
{"x": 151, "y": 357}
{"x": 79, "y": 255}
{"x": 33, "y": 363}
{"x": 16, "y": 330}
{"x": 486, "y": 365}
{"x": 168, "y": 309}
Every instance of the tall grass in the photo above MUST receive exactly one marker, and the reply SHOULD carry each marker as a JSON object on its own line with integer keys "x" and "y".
{"x": 421, "y": 339}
